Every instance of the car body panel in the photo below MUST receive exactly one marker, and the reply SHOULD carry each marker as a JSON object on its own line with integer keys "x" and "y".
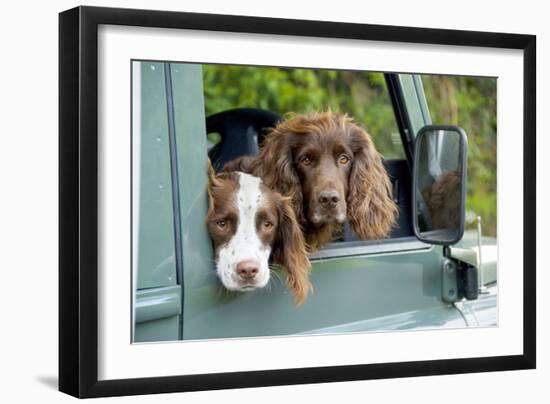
{"x": 481, "y": 312}
{"x": 189, "y": 127}
{"x": 489, "y": 254}
{"x": 156, "y": 314}
{"x": 346, "y": 290}
{"x": 445, "y": 316}
{"x": 153, "y": 205}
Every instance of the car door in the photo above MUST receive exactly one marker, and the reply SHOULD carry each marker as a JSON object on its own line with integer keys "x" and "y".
{"x": 357, "y": 285}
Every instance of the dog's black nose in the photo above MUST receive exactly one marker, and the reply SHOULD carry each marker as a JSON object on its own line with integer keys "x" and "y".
{"x": 329, "y": 198}
{"x": 247, "y": 269}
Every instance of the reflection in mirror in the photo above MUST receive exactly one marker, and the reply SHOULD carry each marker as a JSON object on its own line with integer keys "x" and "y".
{"x": 440, "y": 164}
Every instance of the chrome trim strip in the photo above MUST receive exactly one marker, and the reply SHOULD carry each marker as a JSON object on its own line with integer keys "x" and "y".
{"x": 354, "y": 248}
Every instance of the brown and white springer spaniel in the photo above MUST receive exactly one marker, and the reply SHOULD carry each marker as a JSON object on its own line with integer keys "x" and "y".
{"x": 248, "y": 223}
{"x": 329, "y": 167}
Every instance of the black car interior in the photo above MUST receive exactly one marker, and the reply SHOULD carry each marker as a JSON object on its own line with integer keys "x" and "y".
{"x": 241, "y": 130}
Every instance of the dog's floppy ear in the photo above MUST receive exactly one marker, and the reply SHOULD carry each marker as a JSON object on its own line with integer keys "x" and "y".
{"x": 212, "y": 183}
{"x": 371, "y": 210}
{"x": 289, "y": 251}
{"x": 211, "y": 172}
{"x": 276, "y": 167}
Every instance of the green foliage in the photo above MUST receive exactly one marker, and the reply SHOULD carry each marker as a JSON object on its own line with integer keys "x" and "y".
{"x": 362, "y": 95}
{"x": 470, "y": 102}
{"x": 464, "y": 101}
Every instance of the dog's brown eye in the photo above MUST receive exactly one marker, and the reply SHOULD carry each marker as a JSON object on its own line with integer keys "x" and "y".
{"x": 343, "y": 159}
{"x": 268, "y": 225}
{"x": 305, "y": 160}
{"x": 221, "y": 224}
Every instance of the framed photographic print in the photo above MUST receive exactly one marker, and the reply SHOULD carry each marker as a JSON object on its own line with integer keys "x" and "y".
{"x": 251, "y": 201}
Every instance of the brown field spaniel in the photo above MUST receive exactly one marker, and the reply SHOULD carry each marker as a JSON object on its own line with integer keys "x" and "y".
{"x": 443, "y": 199}
{"x": 329, "y": 167}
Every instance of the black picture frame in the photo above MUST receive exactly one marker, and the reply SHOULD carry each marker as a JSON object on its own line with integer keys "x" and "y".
{"x": 78, "y": 200}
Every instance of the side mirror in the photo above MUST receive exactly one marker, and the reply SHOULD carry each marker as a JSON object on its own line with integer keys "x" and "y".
{"x": 439, "y": 184}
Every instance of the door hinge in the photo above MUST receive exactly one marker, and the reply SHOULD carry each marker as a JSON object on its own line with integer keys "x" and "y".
{"x": 459, "y": 276}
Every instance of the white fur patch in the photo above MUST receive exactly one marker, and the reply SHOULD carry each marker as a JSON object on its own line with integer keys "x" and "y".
{"x": 246, "y": 243}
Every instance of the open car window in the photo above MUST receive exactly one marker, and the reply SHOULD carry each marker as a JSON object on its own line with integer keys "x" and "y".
{"x": 242, "y": 103}
{"x": 362, "y": 95}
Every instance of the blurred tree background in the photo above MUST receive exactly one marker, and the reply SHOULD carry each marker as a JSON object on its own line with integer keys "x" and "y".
{"x": 471, "y": 103}
{"x": 361, "y": 95}
{"x": 464, "y": 101}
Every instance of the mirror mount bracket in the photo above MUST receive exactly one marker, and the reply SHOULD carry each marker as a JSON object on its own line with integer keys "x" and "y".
{"x": 460, "y": 274}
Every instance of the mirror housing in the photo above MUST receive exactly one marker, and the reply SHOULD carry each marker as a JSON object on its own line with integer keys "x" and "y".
{"x": 439, "y": 184}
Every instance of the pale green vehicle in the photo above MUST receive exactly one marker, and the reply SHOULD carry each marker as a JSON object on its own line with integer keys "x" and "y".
{"x": 394, "y": 284}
